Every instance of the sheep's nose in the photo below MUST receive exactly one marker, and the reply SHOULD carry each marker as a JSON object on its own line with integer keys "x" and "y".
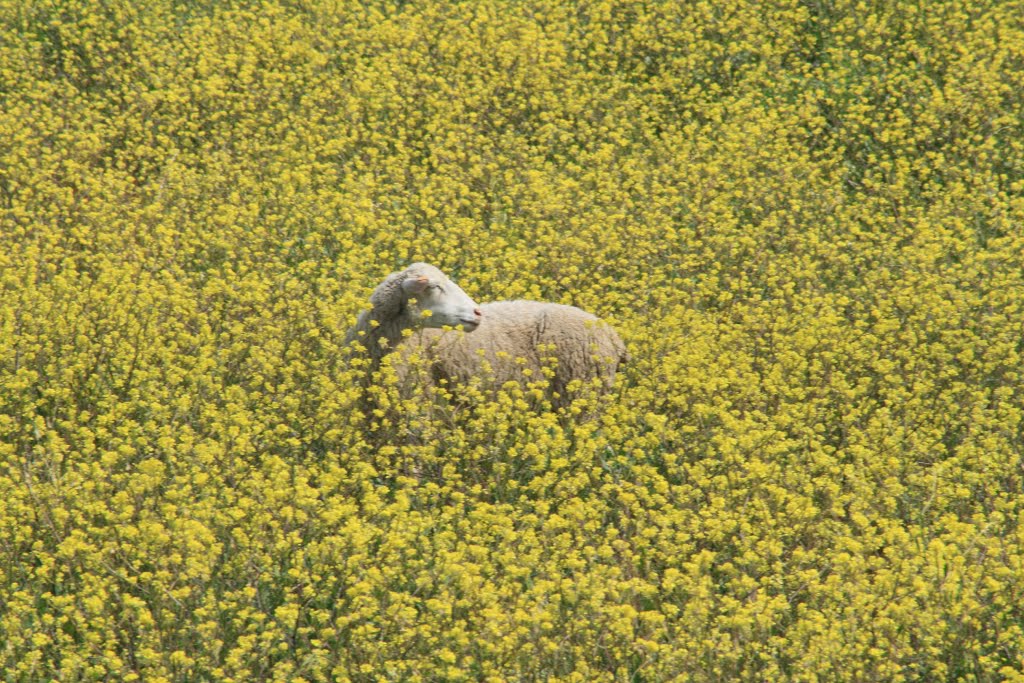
{"x": 478, "y": 313}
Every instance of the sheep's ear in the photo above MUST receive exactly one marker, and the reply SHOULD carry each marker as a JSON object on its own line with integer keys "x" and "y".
{"x": 415, "y": 285}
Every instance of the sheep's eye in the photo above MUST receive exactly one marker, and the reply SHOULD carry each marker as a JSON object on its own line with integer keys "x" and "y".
{"x": 435, "y": 288}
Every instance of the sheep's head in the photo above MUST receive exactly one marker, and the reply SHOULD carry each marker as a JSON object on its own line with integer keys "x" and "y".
{"x": 435, "y": 301}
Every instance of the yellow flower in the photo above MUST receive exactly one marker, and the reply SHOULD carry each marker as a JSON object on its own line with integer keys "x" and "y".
{"x": 802, "y": 219}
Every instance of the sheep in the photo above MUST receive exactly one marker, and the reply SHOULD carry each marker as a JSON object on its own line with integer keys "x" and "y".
{"x": 517, "y": 340}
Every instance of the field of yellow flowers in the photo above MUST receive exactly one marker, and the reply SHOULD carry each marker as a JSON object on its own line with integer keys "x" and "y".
{"x": 805, "y": 217}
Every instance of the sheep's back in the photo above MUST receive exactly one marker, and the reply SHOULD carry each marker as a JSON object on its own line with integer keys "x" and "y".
{"x": 518, "y": 336}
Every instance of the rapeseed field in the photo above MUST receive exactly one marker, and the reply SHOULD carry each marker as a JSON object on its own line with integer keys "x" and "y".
{"x": 805, "y": 218}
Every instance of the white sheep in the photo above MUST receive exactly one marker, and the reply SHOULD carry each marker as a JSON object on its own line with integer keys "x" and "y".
{"x": 516, "y": 339}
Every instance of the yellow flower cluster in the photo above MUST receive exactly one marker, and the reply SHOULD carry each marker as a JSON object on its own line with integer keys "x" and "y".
{"x": 806, "y": 219}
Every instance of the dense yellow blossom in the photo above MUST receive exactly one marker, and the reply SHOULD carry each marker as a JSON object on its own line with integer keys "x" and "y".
{"x": 805, "y": 218}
